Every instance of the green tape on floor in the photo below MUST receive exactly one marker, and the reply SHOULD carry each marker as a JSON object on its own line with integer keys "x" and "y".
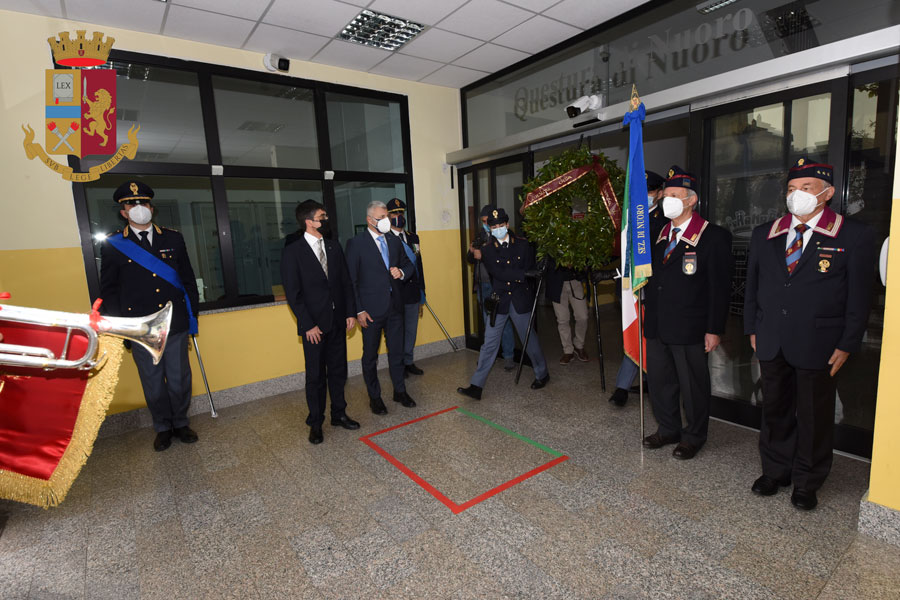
{"x": 512, "y": 433}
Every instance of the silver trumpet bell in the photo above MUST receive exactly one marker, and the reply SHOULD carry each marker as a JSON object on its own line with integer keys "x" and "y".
{"x": 151, "y": 332}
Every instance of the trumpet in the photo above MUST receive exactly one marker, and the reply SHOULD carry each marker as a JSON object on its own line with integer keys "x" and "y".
{"x": 151, "y": 332}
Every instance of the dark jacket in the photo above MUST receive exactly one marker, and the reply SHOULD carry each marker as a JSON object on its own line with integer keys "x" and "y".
{"x": 317, "y": 300}
{"x": 376, "y": 291}
{"x": 412, "y": 288}
{"x": 506, "y": 267}
{"x": 689, "y": 295}
{"x": 556, "y": 277}
{"x": 130, "y": 290}
{"x": 823, "y": 304}
{"x": 480, "y": 274}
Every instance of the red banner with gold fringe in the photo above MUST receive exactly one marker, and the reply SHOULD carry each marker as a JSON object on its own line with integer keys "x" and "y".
{"x": 605, "y": 187}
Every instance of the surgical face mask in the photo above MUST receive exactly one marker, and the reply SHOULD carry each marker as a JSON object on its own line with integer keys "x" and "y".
{"x": 140, "y": 214}
{"x": 324, "y": 227}
{"x": 651, "y": 201}
{"x": 500, "y": 232}
{"x": 800, "y": 203}
{"x": 486, "y": 228}
{"x": 672, "y": 207}
{"x": 383, "y": 225}
{"x": 399, "y": 221}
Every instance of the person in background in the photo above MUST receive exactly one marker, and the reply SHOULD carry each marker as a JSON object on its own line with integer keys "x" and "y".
{"x": 413, "y": 289}
{"x": 565, "y": 288}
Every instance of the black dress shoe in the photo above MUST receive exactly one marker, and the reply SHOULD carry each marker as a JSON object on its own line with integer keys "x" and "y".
{"x": 186, "y": 435}
{"x": 539, "y": 383}
{"x": 315, "y": 435}
{"x": 473, "y": 392}
{"x": 414, "y": 370}
{"x": 655, "y": 440}
{"x": 804, "y": 499}
{"x": 377, "y": 406}
{"x": 766, "y": 486}
{"x": 619, "y": 397}
{"x": 685, "y": 451}
{"x": 345, "y": 422}
{"x": 404, "y": 399}
{"x": 162, "y": 441}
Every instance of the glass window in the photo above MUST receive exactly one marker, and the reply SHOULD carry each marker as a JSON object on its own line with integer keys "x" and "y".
{"x": 810, "y": 120}
{"x": 166, "y": 104}
{"x": 351, "y": 200}
{"x": 262, "y": 214}
{"x": 184, "y": 204}
{"x": 365, "y": 133}
{"x": 265, "y": 124}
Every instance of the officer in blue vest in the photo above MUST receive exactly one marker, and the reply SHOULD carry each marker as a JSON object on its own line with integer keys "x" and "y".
{"x": 129, "y": 289}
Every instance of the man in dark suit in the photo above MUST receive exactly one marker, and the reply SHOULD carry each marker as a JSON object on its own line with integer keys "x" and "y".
{"x": 686, "y": 306}
{"x": 413, "y": 289}
{"x": 806, "y": 306}
{"x": 378, "y": 267}
{"x": 318, "y": 290}
{"x": 131, "y": 290}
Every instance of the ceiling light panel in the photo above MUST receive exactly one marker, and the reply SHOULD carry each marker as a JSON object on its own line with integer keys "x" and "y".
{"x": 379, "y": 30}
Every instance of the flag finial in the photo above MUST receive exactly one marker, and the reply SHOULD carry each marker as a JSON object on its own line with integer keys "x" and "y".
{"x": 635, "y": 99}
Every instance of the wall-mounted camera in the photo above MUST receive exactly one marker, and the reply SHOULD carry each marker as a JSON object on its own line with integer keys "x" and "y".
{"x": 584, "y": 104}
{"x": 276, "y": 63}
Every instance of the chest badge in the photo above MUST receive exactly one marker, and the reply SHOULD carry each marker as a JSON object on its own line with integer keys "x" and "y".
{"x": 689, "y": 263}
{"x": 824, "y": 265}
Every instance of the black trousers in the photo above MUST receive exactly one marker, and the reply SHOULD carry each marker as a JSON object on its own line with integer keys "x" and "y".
{"x": 392, "y": 326}
{"x": 797, "y": 432}
{"x": 675, "y": 373}
{"x": 326, "y": 366}
{"x": 167, "y": 385}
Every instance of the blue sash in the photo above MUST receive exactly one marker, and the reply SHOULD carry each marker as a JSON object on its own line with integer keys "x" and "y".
{"x": 136, "y": 253}
{"x": 412, "y": 258}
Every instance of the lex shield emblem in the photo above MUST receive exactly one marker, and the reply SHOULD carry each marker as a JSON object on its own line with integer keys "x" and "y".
{"x": 689, "y": 263}
{"x": 80, "y": 112}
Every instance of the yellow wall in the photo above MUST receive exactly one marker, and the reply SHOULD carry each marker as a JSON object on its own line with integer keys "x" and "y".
{"x": 40, "y": 255}
{"x": 884, "y": 482}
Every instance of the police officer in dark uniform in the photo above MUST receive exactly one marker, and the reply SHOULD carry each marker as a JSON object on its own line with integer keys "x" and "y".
{"x": 412, "y": 290}
{"x": 507, "y": 259}
{"x": 806, "y": 307}
{"x": 131, "y": 290}
{"x": 686, "y": 306}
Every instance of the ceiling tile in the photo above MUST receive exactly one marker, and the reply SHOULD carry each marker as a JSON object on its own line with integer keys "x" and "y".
{"x": 589, "y": 14}
{"x": 490, "y": 58}
{"x": 286, "y": 42}
{"x": 406, "y": 67}
{"x": 437, "y": 44}
{"x": 350, "y": 55}
{"x": 537, "y": 34}
{"x": 323, "y": 17}
{"x": 484, "y": 19}
{"x": 426, "y": 13}
{"x": 246, "y": 9}
{"x": 453, "y": 76}
{"x": 202, "y": 26}
{"x": 535, "y": 5}
{"x": 46, "y": 8}
{"x": 137, "y": 15}
{"x": 360, "y": 3}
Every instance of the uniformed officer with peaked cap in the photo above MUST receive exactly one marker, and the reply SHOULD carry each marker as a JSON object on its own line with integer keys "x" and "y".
{"x": 129, "y": 289}
{"x": 687, "y": 303}
{"x": 806, "y": 306}
{"x": 412, "y": 290}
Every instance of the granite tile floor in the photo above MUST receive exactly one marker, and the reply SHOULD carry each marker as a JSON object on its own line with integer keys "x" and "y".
{"x": 254, "y": 511}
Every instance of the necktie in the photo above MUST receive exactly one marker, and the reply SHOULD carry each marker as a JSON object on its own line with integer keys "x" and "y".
{"x": 145, "y": 240}
{"x": 792, "y": 254}
{"x": 323, "y": 259}
{"x": 673, "y": 241}
{"x": 384, "y": 251}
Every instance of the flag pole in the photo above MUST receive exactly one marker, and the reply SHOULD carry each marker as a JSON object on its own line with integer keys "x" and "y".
{"x": 640, "y": 321}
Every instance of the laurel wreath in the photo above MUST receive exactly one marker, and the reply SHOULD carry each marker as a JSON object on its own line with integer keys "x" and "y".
{"x": 579, "y": 244}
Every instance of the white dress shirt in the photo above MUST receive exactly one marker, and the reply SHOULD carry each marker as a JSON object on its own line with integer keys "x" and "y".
{"x": 792, "y": 233}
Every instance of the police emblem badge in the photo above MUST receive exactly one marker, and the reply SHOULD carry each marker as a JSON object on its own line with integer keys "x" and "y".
{"x": 689, "y": 263}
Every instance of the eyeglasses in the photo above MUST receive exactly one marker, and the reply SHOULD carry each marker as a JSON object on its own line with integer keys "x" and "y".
{"x": 324, "y": 218}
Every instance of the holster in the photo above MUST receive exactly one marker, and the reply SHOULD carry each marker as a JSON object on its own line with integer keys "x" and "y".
{"x": 491, "y": 304}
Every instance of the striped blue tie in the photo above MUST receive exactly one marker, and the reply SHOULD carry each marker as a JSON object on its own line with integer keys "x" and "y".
{"x": 673, "y": 241}
{"x": 792, "y": 255}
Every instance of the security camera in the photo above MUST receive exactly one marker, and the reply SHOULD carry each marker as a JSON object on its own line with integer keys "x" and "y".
{"x": 584, "y": 104}
{"x": 273, "y": 62}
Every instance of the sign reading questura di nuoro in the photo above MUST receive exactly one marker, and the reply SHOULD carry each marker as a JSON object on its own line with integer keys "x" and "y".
{"x": 80, "y": 108}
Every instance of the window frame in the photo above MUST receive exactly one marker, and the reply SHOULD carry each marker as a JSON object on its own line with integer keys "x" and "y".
{"x": 205, "y": 72}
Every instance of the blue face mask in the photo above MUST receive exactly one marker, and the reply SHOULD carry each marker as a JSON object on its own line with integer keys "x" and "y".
{"x": 500, "y": 232}
{"x": 486, "y": 228}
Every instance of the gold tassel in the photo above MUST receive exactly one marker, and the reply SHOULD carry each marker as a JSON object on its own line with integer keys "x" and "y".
{"x": 94, "y": 403}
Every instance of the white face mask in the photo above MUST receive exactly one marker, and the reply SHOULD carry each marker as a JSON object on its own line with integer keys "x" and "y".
{"x": 672, "y": 207}
{"x": 800, "y": 203}
{"x": 383, "y": 225}
{"x": 140, "y": 214}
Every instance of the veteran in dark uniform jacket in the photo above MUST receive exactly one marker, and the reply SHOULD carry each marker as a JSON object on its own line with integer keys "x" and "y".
{"x": 413, "y": 289}
{"x": 131, "y": 290}
{"x": 806, "y": 305}
{"x": 507, "y": 258}
{"x": 686, "y": 306}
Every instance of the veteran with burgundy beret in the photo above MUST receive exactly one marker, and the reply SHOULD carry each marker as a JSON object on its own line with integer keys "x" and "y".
{"x": 806, "y": 305}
